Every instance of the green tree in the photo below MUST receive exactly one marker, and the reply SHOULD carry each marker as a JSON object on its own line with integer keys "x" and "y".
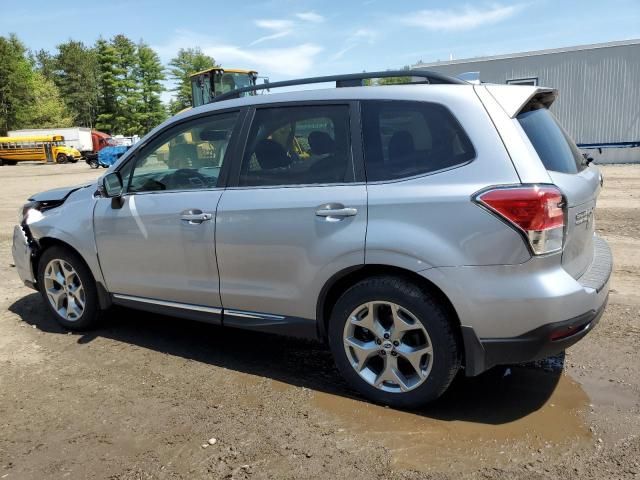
{"x": 187, "y": 62}
{"x": 149, "y": 74}
{"x": 46, "y": 109}
{"x": 107, "y": 83}
{"x": 45, "y": 63}
{"x": 15, "y": 81}
{"x": 128, "y": 97}
{"x": 76, "y": 76}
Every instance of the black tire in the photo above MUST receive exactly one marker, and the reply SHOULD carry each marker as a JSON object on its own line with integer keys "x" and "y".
{"x": 93, "y": 163}
{"x": 90, "y": 316}
{"x": 1, "y": 162}
{"x": 61, "y": 158}
{"x": 11, "y": 162}
{"x": 428, "y": 311}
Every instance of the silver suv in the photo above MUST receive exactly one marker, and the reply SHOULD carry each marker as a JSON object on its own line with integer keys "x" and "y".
{"x": 418, "y": 229}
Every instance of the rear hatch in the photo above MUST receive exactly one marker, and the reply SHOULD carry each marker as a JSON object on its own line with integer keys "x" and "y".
{"x": 569, "y": 171}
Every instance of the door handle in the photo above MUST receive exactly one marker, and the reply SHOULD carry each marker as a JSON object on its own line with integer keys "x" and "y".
{"x": 336, "y": 211}
{"x": 195, "y": 216}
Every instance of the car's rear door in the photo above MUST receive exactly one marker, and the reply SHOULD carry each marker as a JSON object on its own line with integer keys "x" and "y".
{"x": 296, "y": 215}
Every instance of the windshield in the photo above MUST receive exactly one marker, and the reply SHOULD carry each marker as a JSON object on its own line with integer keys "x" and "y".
{"x": 232, "y": 81}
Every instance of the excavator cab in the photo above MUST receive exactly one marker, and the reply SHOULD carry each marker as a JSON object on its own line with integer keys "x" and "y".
{"x": 208, "y": 84}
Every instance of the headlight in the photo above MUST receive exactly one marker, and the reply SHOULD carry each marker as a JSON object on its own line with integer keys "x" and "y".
{"x": 24, "y": 210}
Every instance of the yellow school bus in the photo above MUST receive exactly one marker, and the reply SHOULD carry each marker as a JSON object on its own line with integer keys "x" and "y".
{"x": 40, "y": 148}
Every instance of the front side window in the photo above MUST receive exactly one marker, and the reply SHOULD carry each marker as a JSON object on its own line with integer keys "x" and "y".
{"x": 403, "y": 139}
{"x": 298, "y": 146}
{"x": 189, "y": 158}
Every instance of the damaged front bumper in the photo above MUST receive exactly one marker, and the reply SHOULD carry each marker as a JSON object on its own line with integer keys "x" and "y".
{"x": 23, "y": 251}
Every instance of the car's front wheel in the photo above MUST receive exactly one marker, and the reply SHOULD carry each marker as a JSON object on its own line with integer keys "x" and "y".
{"x": 68, "y": 289}
{"x": 394, "y": 342}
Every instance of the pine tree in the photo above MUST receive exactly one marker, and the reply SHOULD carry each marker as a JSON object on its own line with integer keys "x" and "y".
{"x": 127, "y": 93}
{"x": 45, "y": 63}
{"x": 76, "y": 75}
{"x": 107, "y": 104}
{"x": 186, "y": 63}
{"x": 149, "y": 74}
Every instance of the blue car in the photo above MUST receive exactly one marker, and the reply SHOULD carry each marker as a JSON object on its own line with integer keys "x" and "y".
{"x": 107, "y": 156}
{"x": 110, "y": 155}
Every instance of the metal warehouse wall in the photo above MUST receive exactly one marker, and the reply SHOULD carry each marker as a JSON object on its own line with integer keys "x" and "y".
{"x": 599, "y": 85}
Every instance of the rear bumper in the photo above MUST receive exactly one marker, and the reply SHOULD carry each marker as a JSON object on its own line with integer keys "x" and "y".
{"x": 544, "y": 341}
{"x": 519, "y": 313}
{"x": 22, "y": 255}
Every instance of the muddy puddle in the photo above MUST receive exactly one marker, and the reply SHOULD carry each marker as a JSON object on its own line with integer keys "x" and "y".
{"x": 507, "y": 415}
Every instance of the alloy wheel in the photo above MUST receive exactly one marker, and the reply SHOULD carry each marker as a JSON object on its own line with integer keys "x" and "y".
{"x": 64, "y": 289}
{"x": 388, "y": 346}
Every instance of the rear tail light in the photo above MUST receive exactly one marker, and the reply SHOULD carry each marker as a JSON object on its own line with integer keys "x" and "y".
{"x": 537, "y": 211}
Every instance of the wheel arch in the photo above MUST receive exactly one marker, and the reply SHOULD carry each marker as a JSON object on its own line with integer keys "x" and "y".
{"x": 45, "y": 243}
{"x": 344, "y": 279}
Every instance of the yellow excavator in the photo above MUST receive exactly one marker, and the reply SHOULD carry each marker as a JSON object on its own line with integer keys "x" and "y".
{"x": 208, "y": 84}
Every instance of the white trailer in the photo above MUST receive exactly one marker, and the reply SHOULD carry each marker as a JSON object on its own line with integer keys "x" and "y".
{"x": 76, "y": 137}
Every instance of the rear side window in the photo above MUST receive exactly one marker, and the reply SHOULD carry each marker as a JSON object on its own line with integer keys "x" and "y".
{"x": 556, "y": 149}
{"x": 404, "y": 139}
{"x": 298, "y": 146}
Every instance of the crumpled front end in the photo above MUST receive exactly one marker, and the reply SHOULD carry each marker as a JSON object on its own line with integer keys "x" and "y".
{"x": 22, "y": 251}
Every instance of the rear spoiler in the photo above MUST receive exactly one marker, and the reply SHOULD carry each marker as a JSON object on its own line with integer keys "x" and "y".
{"x": 515, "y": 99}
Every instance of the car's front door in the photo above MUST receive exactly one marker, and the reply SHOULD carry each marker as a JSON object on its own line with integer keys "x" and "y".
{"x": 295, "y": 216}
{"x": 158, "y": 246}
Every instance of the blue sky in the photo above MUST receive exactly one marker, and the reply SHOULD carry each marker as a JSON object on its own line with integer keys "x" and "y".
{"x": 291, "y": 38}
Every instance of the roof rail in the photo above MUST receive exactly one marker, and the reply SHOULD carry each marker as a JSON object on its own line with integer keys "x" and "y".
{"x": 346, "y": 80}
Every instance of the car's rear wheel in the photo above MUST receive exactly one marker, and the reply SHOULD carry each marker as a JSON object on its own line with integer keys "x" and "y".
{"x": 394, "y": 342}
{"x": 68, "y": 288}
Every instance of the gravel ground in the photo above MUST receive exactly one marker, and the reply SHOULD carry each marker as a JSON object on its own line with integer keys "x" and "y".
{"x": 141, "y": 397}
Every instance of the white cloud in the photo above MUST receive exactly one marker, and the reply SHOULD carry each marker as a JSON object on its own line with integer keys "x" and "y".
{"x": 465, "y": 18}
{"x": 274, "y": 24}
{"x": 273, "y": 36}
{"x": 356, "y": 38}
{"x": 290, "y": 61}
{"x": 365, "y": 34}
{"x": 280, "y": 28}
{"x": 310, "y": 16}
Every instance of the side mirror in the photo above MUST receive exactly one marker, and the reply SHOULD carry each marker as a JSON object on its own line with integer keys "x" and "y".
{"x": 112, "y": 188}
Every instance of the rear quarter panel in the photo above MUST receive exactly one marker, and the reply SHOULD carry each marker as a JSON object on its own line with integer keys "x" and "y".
{"x": 431, "y": 221}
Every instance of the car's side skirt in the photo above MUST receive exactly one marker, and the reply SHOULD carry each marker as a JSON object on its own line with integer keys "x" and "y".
{"x": 259, "y": 321}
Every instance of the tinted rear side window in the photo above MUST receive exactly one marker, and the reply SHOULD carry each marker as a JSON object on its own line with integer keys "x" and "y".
{"x": 404, "y": 139}
{"x": 298, "y": 146}
{"x": 554, "y": 146}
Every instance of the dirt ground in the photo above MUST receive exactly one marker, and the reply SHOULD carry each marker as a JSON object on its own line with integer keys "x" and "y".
{"x": 141, "y": 397}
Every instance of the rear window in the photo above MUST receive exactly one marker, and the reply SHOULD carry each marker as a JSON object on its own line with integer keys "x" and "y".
{"x": 554, "y": 146}
{"x": 403, "y": 139}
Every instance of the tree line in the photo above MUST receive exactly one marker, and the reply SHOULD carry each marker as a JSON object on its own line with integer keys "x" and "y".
{"x": 113, "y": 85}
